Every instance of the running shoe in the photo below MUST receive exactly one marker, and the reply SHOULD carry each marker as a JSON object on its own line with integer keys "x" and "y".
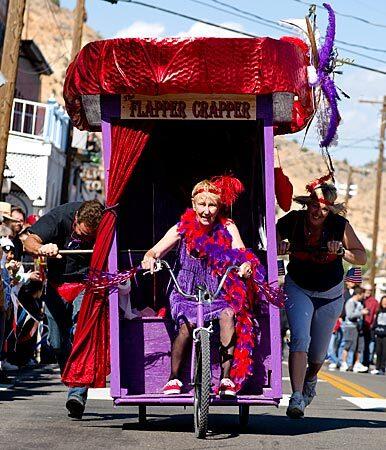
{"x": 309, "y": 391}
{"x": 377, "y": 372}
{"x": 227, "y": 388}
{"x": 5, "y": 365}
{"x": 75, "y": 407}
{"x": 296, "y": 406}
{"x": 172, "y": 387}
{"x": 343, "y": 367}
{"x": 360, "y": 368}
{"x": 332, "y": 366}
{"x": 31, "y": 363}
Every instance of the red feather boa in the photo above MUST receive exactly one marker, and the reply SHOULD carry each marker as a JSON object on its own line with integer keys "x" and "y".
{"x": 215, "y": 243}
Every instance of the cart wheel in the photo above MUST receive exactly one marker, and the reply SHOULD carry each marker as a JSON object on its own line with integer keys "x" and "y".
{"x": 142, "y": 414}
{"x": 244, "y": 415}
{"x": 202, "y": 385}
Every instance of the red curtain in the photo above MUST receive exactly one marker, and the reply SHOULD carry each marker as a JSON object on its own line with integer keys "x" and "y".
{"x": 89, "y": 361}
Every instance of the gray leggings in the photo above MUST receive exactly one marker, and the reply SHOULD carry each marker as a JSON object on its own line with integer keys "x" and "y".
{"x": 311, "y": 317}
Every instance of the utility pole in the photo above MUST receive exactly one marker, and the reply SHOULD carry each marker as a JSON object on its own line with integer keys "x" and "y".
{"x": 373, "y": 261}
{"x": 79, "y": 18}
{"x": 349, "y": 178}
{"x": 9, "y": 63}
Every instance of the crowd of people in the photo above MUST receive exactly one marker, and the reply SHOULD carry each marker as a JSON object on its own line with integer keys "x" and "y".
{"x": 20, "y": 304}
{"x": 359, "y": 337}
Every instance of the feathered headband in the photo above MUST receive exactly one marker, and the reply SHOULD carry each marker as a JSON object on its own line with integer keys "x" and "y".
{"x": 228, "y": 188}
{"x": 310, "y": 187}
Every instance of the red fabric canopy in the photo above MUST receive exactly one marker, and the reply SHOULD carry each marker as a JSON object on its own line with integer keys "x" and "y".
{"x": 199, "y": 65}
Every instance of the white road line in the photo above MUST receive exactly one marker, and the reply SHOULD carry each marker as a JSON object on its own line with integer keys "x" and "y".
{"x": 374, "y": 404}
{"x": 285, "y": 400}
{"x": 99, "y": 394}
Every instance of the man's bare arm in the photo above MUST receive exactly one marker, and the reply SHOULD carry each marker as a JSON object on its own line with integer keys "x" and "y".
{"x": 34, "y": 246}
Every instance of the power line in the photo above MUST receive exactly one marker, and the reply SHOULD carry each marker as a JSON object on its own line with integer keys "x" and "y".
{"x": 361, "y": 54}
{"x": 234, "y": 8}
{"x": 195, "y": 19}
{"x": 360, "y": 19}
{"x": 361, "y": 67}
{"x": 50, "y": 63}
{"x": 175, "y": 13}
{"x": 277, "y": 26}
{"x": 53, "y": 14}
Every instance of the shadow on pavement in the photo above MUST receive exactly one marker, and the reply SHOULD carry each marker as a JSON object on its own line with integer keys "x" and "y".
{"x": 226, "y": 426}
{"x": 30, "y": 383}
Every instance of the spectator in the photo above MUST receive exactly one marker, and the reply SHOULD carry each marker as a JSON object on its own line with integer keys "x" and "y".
{"x": 16, "y": 226}
{"x": 352, "y": 279}
{"x": 69, "y": 226}
{"x": 336, "y": 337}
{"x": 380, "y": 336}
{"x": 351, "y": 342}
{"x": 6, "y": 247}
{"x": 370, "y": 303}
{"x": 5, "y": 231}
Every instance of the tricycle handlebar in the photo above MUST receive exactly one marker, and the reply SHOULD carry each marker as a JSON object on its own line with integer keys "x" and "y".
{"x": 160, "y": 263}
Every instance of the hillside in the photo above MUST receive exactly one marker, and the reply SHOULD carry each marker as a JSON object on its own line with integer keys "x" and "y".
{"x": 302, "y": 167}
{"x": 51, "y": 27}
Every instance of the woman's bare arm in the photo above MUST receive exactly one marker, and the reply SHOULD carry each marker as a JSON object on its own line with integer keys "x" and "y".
{"x": 245, "y": 268}
{"x": 237, "y": 242}
{"x": 161, "y": 248}
{"x": 355, "y": 253}
{"x": 164, "y": 245}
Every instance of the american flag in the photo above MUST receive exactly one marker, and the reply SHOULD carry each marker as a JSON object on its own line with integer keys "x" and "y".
{"x": 354, "y": 275}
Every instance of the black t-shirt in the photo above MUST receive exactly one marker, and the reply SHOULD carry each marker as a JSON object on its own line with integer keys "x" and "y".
{"x": 18, "y": 248}
{"x": 310, "y": 269}
{"x": 56, "y": 227}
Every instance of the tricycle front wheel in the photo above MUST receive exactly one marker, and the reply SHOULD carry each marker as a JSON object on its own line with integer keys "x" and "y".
{"x": 202, "y": 381}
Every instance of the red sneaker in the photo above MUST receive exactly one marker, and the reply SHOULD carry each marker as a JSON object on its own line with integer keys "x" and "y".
{"x": 172, "y": 387}
{"x": 227, "y": 388}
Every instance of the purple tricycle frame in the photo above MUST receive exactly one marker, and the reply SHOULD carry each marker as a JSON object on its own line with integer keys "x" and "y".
{"x": 140, "y": 348}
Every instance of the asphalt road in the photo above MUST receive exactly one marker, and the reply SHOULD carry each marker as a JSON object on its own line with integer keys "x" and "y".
{"x": 348, "y": 412}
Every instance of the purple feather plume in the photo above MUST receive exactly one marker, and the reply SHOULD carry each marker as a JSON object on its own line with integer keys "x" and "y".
{"x": 327, "y": 85}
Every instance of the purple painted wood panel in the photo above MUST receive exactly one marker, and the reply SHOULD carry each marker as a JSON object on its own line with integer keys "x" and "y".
{"x": 145, "y": 357}
{"x": 107, "y": 108}
{"x": 275, "y": 333}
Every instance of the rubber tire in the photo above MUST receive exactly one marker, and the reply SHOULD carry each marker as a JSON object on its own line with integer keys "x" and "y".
{"x": 202, "y": 382}
{"x": 244, "y": 415}
{"x": 142, "y": 414}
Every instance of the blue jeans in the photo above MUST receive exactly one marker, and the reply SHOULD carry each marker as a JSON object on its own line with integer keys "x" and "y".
{"x": 350, "y": 355}
{"x": 331, "y": 354}
{"x": 312, "y": 316}
{"x": 61, "y": 318}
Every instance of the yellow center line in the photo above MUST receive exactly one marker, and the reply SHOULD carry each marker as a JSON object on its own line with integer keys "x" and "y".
{"x": 348, "y": 387}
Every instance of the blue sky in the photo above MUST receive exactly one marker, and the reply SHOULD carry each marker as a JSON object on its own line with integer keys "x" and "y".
{"x": 358, "y": 134}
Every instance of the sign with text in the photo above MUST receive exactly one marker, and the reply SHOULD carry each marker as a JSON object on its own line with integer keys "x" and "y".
{"x": 189, "y": 107}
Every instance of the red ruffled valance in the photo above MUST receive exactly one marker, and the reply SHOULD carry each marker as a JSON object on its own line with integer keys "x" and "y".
{"x": 198, "y": 65}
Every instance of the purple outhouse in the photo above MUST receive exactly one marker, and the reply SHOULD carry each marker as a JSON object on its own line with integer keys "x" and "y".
{"x": 207, "y": 106}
